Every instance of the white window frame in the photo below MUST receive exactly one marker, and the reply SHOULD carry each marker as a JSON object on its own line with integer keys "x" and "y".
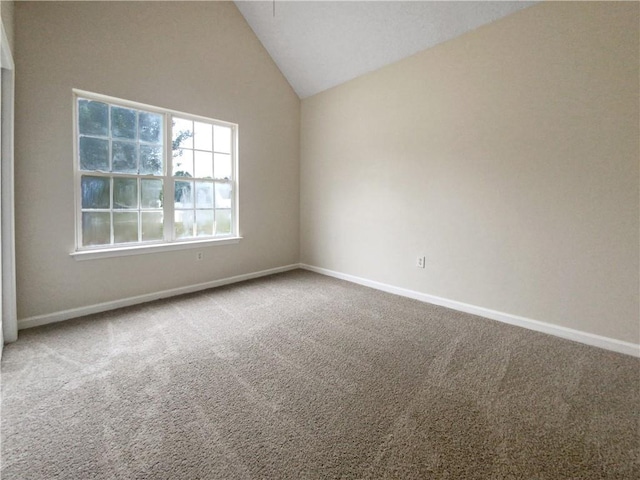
{"x": 169, "y": 242}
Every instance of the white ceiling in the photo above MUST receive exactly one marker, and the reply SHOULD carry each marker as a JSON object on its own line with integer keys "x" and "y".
{"x": 320, "y": 44}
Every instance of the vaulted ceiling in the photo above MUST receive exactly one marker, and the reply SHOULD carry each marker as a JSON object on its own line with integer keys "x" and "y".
{"x": 320, "y": 44}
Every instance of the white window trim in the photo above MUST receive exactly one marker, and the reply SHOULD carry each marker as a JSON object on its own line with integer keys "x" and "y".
{"x": 106, "y": 251}
{"x": 9, "y": 327}
{"x": 151, "y": 248}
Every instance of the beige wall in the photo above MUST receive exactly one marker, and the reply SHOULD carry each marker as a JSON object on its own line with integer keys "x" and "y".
{"x": 508, "y": 157}
{"x": 200, "y": 58}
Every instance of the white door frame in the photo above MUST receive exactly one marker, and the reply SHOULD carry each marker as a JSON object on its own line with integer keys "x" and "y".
{"x": 7, "y": 212}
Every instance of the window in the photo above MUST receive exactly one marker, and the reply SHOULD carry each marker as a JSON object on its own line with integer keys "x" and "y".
{"x": 148, "y": 176}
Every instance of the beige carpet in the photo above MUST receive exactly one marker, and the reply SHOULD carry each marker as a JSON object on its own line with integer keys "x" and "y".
{"x": 301, "y": 376}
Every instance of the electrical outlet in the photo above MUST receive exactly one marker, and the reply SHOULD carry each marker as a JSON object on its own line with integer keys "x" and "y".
{"x": 421, "y": 262}
{"x": 199, "y": 256}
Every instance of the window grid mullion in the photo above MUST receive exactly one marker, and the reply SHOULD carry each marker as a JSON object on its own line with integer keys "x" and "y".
{"x": 99, "y": 173}
{"x": 111, "y": 225}
{"x": 110, "y": 137}
{"x": 110, "y": 160}
{"x": 168, "y": 187}
{"x": 139, "y": 205}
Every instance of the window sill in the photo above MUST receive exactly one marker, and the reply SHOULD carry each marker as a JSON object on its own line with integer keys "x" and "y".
{"x": 155, "y": 248}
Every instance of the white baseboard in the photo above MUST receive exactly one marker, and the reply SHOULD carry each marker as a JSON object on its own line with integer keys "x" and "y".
{"x": 126, "y": 302}
{"x": 551, "y": 329}
{"x": 538, "y": 326}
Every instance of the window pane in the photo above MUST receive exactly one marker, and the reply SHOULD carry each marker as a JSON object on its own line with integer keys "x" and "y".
{"x": 152, "y": 226}
{"x": 223, "y": 222}
{"x": 223, "y": 195}
{"x": 222, "y": 166}
{"x": 222, "y": 139}
{"x": 204, "y": 223}
{"x": 183, "y": 163}
{"x": 123, "y": 123}
{"x": 125, "y": 227}
{"x": 96, "y": 228}
{"x": 203, "y": 164}
{"x": 204, "y": 195}
{"x": 93, "y": 118}
{"x": 125, "y": 193}
{"x": 202, "y": 139}
{"x": 183, "y": 223}
{"x": 96, "y": 192}
{"x": 182, "y": 134}
{"x": 150, "y": 160}
{"x": 151, "y": 193}
{"x": 150, "y": 125}
{"x": 125, "y": 157}
{"x": 94, "y": 154}
{"x": 122, "y": 158}
{"x": 184, "y": 194}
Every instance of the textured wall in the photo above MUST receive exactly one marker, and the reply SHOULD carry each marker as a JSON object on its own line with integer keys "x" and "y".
{"x": 200, "y": 58}
{"x": 508, "y": 157}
